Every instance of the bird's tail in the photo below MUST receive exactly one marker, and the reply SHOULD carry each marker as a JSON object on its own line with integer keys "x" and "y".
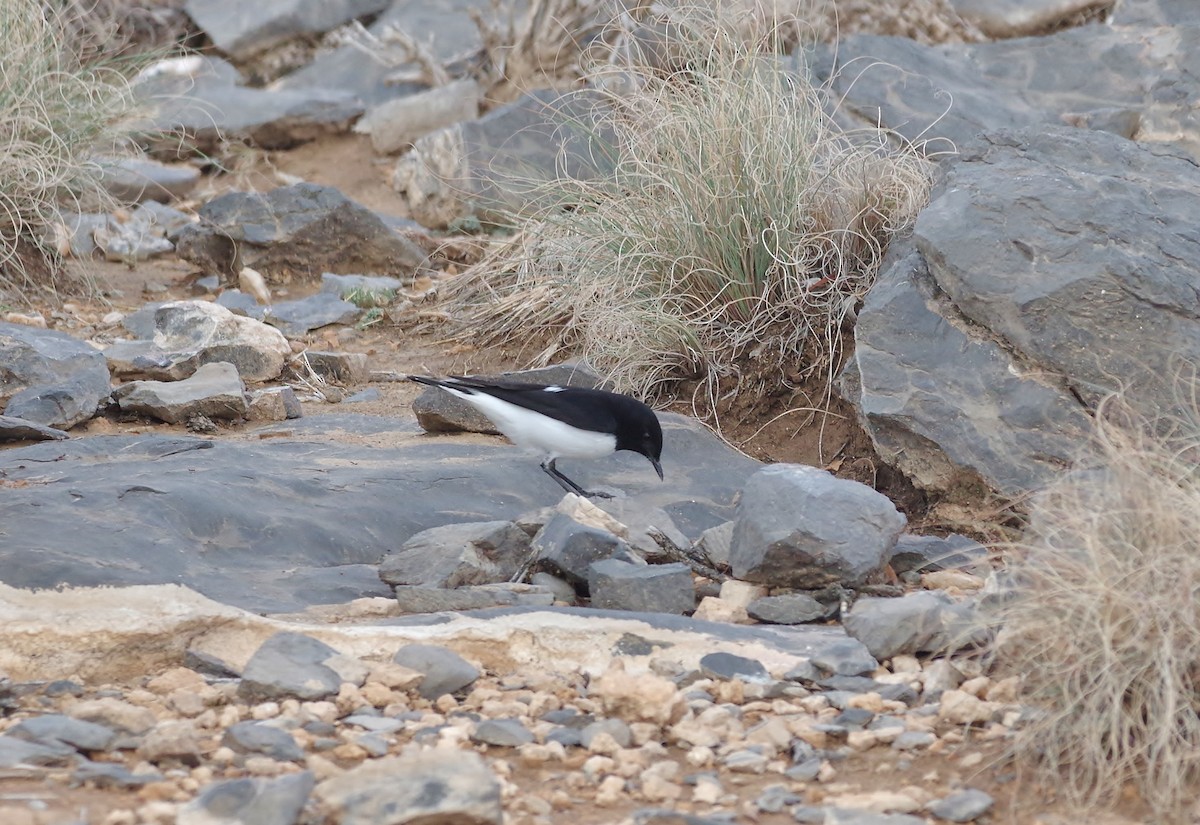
{"x": 424, "y": 379}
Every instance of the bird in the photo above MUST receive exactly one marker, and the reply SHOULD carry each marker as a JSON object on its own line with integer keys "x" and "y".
{"x": 561, "y": 422}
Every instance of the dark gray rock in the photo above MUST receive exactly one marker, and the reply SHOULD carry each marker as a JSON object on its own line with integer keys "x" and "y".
{"x": 14, "y": 752}
{"x": 568, "y": 549}
{"x": 445, "y": 671}
{"x": 716, "y": 542}
{"x": 455, "y": 555}
{"x": 363, "y": 396}
{"x": 299, "y": 513}
{"x": 110, "y": 775}
{"x": 805, "y": 770}
{"x": 277, "y": 801}
{"x": 926, "y": 553}
{"x": 295, "y": 233}
{"x": 298, "y": 318}
{"x": 55, "y": 728}
{"x": 395, "y": 124}
{"x": 133, "y": 180}
{"x": 438, "y": 411}
{"x": 436, "y": 785}
{"x": 342, "y": 368}
{"x": 436, "y": 600}
{"x": 789, "y": 608}
{"x": 18, "y": 429}
{"x": 923, "y": 622}
{"x": 616, "y": 728}
{"x": 289, "y": 665}
{"x": 491, "y": 167}
{"x": 640, "y": 519}
{"x": 620, "y": 585}
{"x": 242, "y": 30}
{"x": 254, "y": 737}
{"x": 241, "y": 303}
{"x": 846, "y": 657}
{"x": 798, "y": 526}
{"x": 445, "y": 28}
{"x": 775, "y": 798}
{"x": 962, "y": 806}
{"x": 213, "y": 390}
{"x": 274, "y": 404}
{"x": 507, "y": 733}
{"x": 1084, "y": 74}
{"x": 193, "y": 110}
{"x": 728, "y": 666}
{"x": 49, "y": 378}
{"x": 952, "y": 411}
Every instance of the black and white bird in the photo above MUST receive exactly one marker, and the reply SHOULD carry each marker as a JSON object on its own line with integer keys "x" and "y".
{"x": 561, "y": 422}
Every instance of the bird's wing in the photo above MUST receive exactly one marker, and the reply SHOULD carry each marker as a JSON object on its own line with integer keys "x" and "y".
{"x": 586, "y": 409}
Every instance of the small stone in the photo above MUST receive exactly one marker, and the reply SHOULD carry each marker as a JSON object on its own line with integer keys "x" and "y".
{"x": 250, "y": 801}
{"x": 289, "y": 665}
{"x": 171, "y": 741}
{"x": 848, "y": 657}
{"x": 57, "y": 728}
{"x": 619, "y": 732}
{"x": 645, "y": 698}
{"x": 791, "y": 608}
{"x": 913, "y": 740}
{"x": 115, "y": 714}
{"x": 961, "y": 708}
{"x": 746, "y": 761}
{"x": 723, "y": 665}
{"x": 713, "y": 609}
{"x": 444, "y": 670}
{"x": 962, "y": 806}
{"x": 509, "y": 733}
{"x": 342, "y": 368}
{"x": 660, "y": 588}
{"x": 274, "y": 404}
{"x": 254, "y": 737}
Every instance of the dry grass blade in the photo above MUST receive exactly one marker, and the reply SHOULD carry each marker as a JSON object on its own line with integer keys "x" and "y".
{"x": 738, "y": 222}
{"x": 1102, "y": 617}
{"x": 57, "y": 113}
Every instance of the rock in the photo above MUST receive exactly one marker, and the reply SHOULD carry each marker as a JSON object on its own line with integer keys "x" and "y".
{"x": 276, "y": 801}
{"x": 243, "y": 303}
{"x": 448, "y": 786}
{"x": 741, "y": 594}
{"x": 363, "y": 396}
{"x": 619, "y": 585}
{"x": 922, "y": 553}
{"x": 789, "y": 608}
{"x": 446, "y": 30}
{"x": 848, "y": 657}
{"x": 189, "y": 334}
{"x": 18, "y": 429}
{"x": 641, "y": 697}
{"x": 728, "y": 666}
{"x": 923, "y": 622}
{"x": 507, "y": 733}
{"x": 197, "y": 102}
{"x": 962, "y": 806}
{"x": 298, "y": 318}
{"x": 562, "y": 589}
{"x": 853, "y": 816}
{"x": 636, "y": 520}
{"x": 798, "y": 526}
{"x": 913, "y": 740}
{"x": 436, "y": 600}
{"x": 341, "y": 491}
{"x": 961, "y": 708}
{"x": 478, "y": 169}
{"x": 114, "y": 714}
{"x": 458, "y": 554}
{"x": 444, "y": 670}
{"x": 243, "y": 31}
{"x": 342, "y": 368}
{"x": 438, "y": 411}
{"x": 568, "y": 549}
{"x": 49, "y": 377}
{"x": 346, "y": 285}
{"x": 616, "y": 729}
{"x": 911, "y": 400}
{"x": 396, "y": 124}
{"x": 214, "y": 390}
{"x": 289, "y": 665}
{"x": 909, "y": 83}
{"x": 1155, "y": 13}
{"x": 171, "y": 742}
{"x": 716, "y": 542}
{"x": 254, "y": 737}
{"x": 16, "y": 752}
{"x": 106, "y": 775}
{"x": 274, "y": 404}
{"x": 133, "y": 180}
{"x": 1018, "y": 18}
{"x": 54, "y": 728}
{"x": 294, "y": 233}
{"x": 138, "y": 238}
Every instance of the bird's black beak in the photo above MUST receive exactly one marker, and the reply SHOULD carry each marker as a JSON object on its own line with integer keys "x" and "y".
{"x": 657, "y": 468}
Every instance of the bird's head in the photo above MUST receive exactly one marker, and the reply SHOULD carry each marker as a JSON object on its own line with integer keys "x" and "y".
{"x": 641, "y": 433}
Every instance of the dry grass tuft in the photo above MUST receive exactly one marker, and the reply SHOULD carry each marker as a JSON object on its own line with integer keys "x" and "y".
{"x": 57, "y": 112}
{"x": 1102, "y": 616}
{"x": 739, "y": 222}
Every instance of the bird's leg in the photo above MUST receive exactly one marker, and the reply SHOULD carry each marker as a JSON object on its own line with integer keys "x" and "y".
{"x": 567, "y": 484}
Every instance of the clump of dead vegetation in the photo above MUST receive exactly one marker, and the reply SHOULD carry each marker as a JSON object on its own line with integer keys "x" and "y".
{"x": 1101, "y": 615}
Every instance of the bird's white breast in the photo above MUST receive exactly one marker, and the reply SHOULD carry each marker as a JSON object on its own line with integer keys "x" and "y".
{"x": 535, "y": 431}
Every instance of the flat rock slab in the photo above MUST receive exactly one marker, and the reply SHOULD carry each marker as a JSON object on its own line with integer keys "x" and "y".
{"x": 1133, "y": 80}
{"x": 299, "y": 317}
{"x": 296, "y": 233}
{"x": 199, "y": 103}
{"x": 302, "y": 517}
{"x": 213, "y": 391}
{"x": 18, "y": 429}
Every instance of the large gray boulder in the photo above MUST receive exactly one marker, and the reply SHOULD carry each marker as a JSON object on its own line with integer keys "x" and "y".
{"x": 48, "y": 377}
{"x": 798, "y": 526}
{"x": 984, "y": 366}
{"x": 242, "y": 30}
{"x": 296, "y": 233}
